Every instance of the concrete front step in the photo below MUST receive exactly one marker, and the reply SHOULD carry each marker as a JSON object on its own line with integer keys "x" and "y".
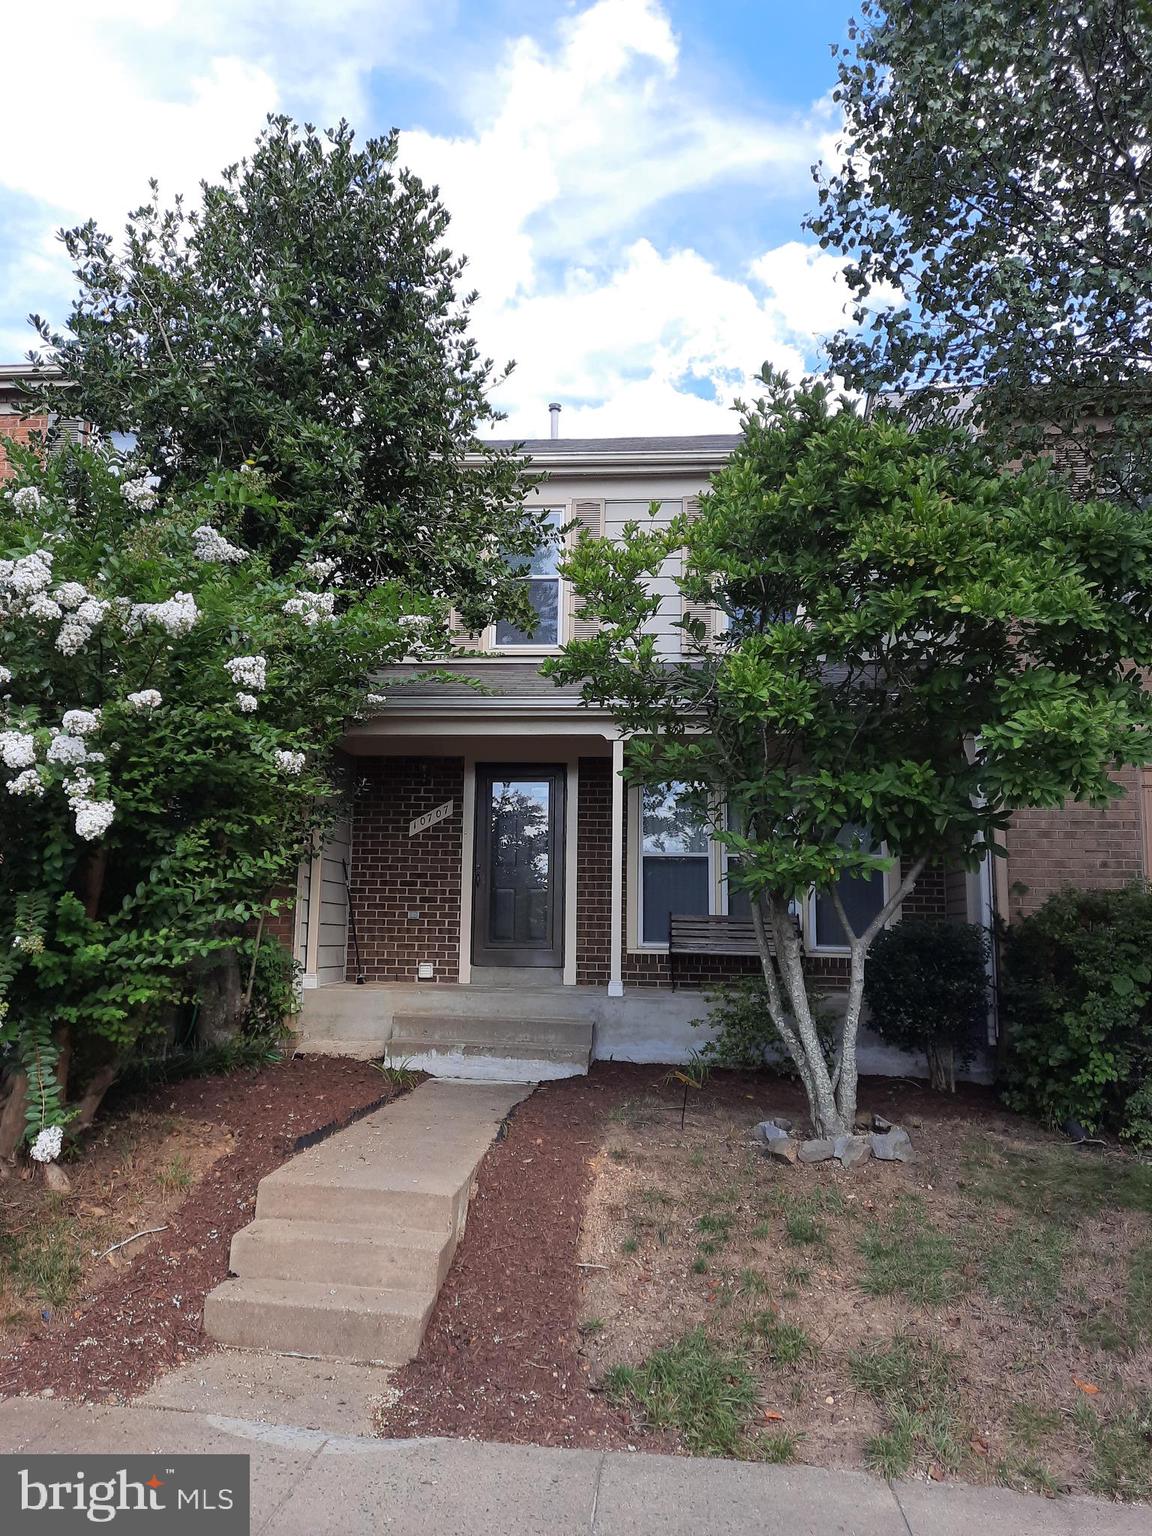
{"x": 353, "y": 1237}
{"x": 339, "y": 1322}
{"x": 395, "y": 1258}
{"x": 450, "y": 1030}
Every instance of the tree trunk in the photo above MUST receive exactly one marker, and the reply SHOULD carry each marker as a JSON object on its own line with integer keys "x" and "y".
{"x": 12, "y": 1117}
{"x": 93, "y": 1095}
{"x": 221, "y": 1000}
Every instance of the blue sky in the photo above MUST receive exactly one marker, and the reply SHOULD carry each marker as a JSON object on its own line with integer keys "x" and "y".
{"x": 628, "y": 177}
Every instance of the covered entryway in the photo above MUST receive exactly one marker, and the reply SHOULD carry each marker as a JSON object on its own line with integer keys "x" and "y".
{"x": 518, "y": 878}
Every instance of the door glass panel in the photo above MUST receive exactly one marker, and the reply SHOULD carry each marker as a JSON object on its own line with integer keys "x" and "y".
{"x": 520, "y": 862}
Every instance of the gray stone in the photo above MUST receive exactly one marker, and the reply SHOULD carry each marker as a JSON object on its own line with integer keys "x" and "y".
{"x": 784, "y": 1150}
{"x": 880, "y": 1125}
{"x": 892, "y": 1146}
{"x": 782, "y": 1121}
{"x": 769, "y": 1131}
{"x": 817, "y": 1151}
{"x": 851, "y": 1149}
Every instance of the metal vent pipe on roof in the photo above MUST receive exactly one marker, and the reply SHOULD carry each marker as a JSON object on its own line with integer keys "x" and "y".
{"x": 554, "y": 418}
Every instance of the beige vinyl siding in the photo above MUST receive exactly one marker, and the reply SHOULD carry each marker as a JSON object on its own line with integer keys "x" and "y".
{"x": 664, "y": 624}
{"x": 332, "y": 943}
{"x": 303, "y": 910}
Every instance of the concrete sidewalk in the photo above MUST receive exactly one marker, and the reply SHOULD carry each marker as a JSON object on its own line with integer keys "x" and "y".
{"x": 308, "y": 1483}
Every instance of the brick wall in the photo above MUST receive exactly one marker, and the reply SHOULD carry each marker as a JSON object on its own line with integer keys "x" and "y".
{"x": 393, "y": 874}
{"x": 1076, "y": 845}
{"x": 19, "y": 429}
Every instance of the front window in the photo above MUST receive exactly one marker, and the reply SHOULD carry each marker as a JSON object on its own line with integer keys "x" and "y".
{"x": 674, "y": 861}
{"x": 862, "y": 896}
{"x": 540, "y": 575}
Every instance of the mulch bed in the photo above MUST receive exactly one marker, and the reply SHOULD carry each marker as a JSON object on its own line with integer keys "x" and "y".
{"x": 501, "y": 1358}
{"x": 119, "y": 1336}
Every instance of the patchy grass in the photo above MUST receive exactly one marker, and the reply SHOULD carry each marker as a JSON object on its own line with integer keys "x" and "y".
{"x": 943, "y": 1317}
{"x": 1024, "y": 1268}
{"x": 692, "y": 1386}
{"x": 45, "y": 1263}
{"x": 906, "y": 1255}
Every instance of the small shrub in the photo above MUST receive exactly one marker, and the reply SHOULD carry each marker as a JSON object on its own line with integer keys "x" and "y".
{"x": 927, "y": 991}
{"x": 693, "y": 1386}
{"x": 1077, "y": 1012}
{"x": 745, "y": 1033}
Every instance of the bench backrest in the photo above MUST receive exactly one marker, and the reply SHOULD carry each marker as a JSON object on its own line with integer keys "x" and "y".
{"x": 715, "y": 935}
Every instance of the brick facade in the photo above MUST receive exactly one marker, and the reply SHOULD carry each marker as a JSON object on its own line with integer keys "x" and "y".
{"x": 394, "y": 876}
{"x": 18, "y": 429}
{"x": 1074, "y": 845}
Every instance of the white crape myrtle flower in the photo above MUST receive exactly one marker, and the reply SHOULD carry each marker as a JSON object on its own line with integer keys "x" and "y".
{"x": 46, "y": 1147}
{"x": 78, "y": 789}
{"x": 146, "y": 699}
{"x": 5, "y": 676}
{"x": 41, "y": 606}
{"x": 178, "y": 614}
{"x": 73, "y": 636}
{"x": 27, "y": 783}
{"x": 17, "y": 749}
{"x": 69, "y": 594}
{"x": 251, "y": 671}
{"x": 376, "y": 698}
{"x": 91, "y": 611}
{"x": 140, "y": 494}
{"x": 30, "y": 574}
{"x": 313, "y": 607}
{"x": 323, "y": 568}
{"x": 247, "y": 703}
{"x": 66, "y": 749}
{"x": 93, "y": 818}
{"x": 289, "y": 762}
{"x": 81, "y": 722}
{"x": 26, "y": 499}
{"x": 213, "y": 547}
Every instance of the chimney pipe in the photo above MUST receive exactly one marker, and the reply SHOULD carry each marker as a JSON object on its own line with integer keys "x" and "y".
{"x": 554, "y": 417}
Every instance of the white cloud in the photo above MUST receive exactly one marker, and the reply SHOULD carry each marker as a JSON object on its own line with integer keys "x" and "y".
{"x": 575, "y": 140}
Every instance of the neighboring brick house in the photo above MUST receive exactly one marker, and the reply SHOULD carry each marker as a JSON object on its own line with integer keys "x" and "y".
{"x": 18, "y": 427}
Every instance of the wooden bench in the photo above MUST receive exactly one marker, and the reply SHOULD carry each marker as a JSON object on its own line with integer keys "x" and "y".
{"x": 717, "y": 935}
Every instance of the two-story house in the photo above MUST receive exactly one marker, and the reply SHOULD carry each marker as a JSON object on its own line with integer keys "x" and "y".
{"x": 500, "y": 891}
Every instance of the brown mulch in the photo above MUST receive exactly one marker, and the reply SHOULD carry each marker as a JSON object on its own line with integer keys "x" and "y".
{"x": 128, "y": 1328}
{"x": 501, "y": 1359}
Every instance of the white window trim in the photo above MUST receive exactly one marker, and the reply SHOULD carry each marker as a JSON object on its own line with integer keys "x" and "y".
{"x": 536, "y": 647}
{"x": 809, "y": 916}
{"x": 717, "y": 889}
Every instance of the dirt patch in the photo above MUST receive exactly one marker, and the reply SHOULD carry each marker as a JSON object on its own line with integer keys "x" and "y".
{"x": 502, "y": 1358}
{"x": 188, "y": 1157}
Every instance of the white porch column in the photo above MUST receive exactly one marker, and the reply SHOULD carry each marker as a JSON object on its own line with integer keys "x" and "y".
{"x": 616, "y": 873}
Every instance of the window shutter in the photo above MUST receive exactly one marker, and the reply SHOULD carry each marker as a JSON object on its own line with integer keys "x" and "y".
{"x": 699, "y": 611}
{"x": 588, "y": 517}
{"x": 459, "y": 637}
{"x": 68, "y": 431}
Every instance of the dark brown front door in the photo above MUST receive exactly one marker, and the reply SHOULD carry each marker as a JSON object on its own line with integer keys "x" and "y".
{"x": 518, "y": 910}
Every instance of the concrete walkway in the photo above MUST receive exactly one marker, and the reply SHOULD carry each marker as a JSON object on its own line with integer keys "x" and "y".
{"x": 306, "y": 1483}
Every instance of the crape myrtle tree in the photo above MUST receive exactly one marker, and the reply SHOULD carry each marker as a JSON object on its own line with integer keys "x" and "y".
{"x": 911, "y": 645}
{"x": 169, "y": 702}
{"x": 995, "y": 171}
{"x": 305, "y": 317}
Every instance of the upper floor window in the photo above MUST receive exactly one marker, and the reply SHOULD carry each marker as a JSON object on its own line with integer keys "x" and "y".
{"x": 539, "y": 573}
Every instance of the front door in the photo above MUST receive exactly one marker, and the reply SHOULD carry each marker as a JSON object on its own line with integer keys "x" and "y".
{"x": 518, "y": 910}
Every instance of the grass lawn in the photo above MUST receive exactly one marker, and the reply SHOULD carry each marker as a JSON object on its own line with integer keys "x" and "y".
{"x": 983, "y": 1314}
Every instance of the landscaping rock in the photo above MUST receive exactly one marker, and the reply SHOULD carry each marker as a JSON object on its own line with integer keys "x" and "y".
{"x": 892, "y": 1146}
{"x": 785, "y": 1150}
{"x": 816, "y": 1151}
{"x": 851, "y": 1149}
{"x": 769, "y": 1131}
{"x": 880, "y": 1125}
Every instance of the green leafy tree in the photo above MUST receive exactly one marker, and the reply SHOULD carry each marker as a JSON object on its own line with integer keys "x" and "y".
{"x": 169, "y": 702}
{"x": 307, "y": 318}
{"x": 995, "y": 174}
{"x": 912, "y": 647}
